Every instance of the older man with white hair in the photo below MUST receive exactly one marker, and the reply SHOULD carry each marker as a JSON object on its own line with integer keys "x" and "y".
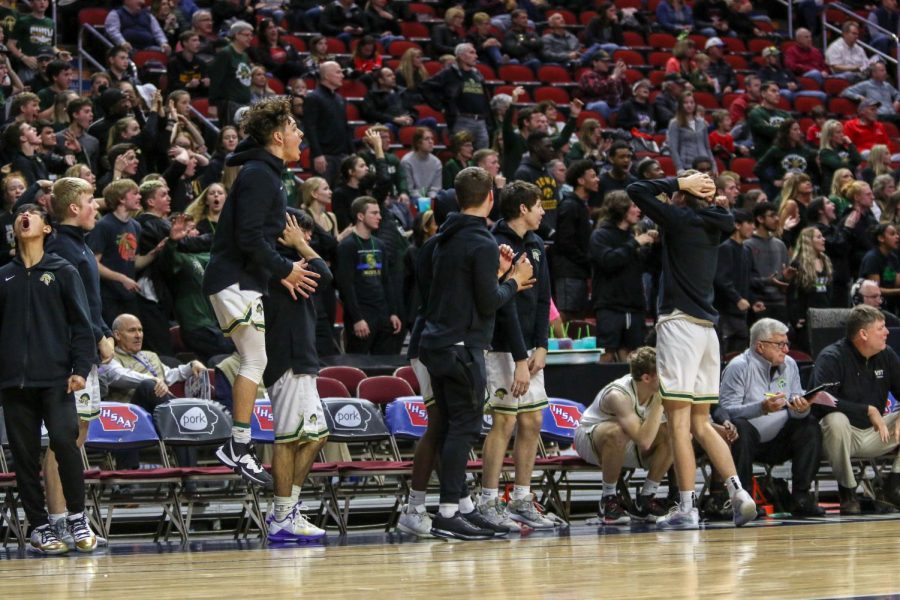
{"x": 325, "y": 123}
{"x": 762, "y": 396}
{"x": 460, "y": 91}
{"x": 229, "y": 73}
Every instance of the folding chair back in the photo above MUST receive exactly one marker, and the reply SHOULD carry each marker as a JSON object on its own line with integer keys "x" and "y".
{"x": 192, "y": 422}
{"x": 349, "y": 376}
{"x": 354, "y": 420}
{"x": 262, "y": 423}
{"x": 121, "y": 426}
{"x": 331, "y": 388}
{"x": 560, "y": 419}
{"x": 407, "y": 418}
{"x": 383, "y": 389}
{"x": 407, "y": 374}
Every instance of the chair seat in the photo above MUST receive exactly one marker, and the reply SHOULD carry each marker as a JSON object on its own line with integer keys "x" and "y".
{"x": 567, "y": 461}
{"x": 324, "y": 467}
{"x": 217, "y": 470}
{"x": 154, "y": 474}
{"x": 7, "y": 477}
{"x": 374, "y": 465}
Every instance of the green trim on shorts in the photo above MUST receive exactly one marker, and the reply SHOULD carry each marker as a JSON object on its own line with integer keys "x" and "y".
{"x": 429, "y": 402}
{"x": 246, "y": 319}
{"x": 302, "y": 437}
{"x": 89, "y": 417}
{"x": 686, "y": 397}
{"x": 507, "y": 410}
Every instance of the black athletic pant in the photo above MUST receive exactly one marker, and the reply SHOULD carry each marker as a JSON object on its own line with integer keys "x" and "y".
{"x": 23, "y": 410}
{"x": 800, "y": 441}
{"x": 381, "y": 340}
{"x": 458, "y": 382}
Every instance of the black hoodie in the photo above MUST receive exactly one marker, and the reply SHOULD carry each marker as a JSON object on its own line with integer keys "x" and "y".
{"x": 45, "y": 330}
{"x": 291, "y": 325}
{"x": 251, "y": 222}
{"x": 618, "y": 268}
{"x": 464, "y": 294}
{"x": 525, "y": 323}
{"x": 690, "y": 248}
{"x": 571, "y": 254}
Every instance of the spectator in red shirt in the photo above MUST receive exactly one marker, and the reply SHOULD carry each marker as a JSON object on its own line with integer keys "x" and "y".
{"x": 865, "y": 131}
{"x": 746, "y": 101}
{"x": 804, "y": 59}
{"x": 720, "y": 139}
{"x": 819, "y": 116}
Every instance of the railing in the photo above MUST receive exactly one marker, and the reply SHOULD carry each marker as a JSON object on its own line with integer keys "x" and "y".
{"x": 887, "y": 59}
{"x": 83, "y": 54}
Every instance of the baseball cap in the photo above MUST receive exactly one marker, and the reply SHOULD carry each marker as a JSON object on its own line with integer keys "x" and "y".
{"x": 770, "y": 51}
{"x": 713, "y": 41}
{"x": 45, "y": 52}
{"x": 674, "y": 78}
{"x": 600, "y": 55}
{"x": 869, "y": 103}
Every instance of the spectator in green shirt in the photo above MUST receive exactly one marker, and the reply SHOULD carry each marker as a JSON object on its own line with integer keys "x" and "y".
{"x": 229, "y": 73}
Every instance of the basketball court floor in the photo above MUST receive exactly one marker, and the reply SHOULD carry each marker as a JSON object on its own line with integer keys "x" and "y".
{"x": 814, "y": 558}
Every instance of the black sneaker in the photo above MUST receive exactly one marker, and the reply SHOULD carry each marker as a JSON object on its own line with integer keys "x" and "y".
{"x": 716, "y": 507}
{"x": 806, "y": 506}
{"x": 648, "y": 508}
{"x": 242, "y": 458}
{"x": 612, "y": 511}
{"x": 478, "y": 520}
{"x": 456, "y": 527}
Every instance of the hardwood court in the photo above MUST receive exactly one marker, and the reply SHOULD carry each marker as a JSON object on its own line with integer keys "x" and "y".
{"x": 836, "y": 559}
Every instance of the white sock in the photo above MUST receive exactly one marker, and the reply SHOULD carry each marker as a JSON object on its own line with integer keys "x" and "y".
{"x": 283, "y": 507}
{"x": 609, "y": 489}
{"x": 686, "y": 503}
{"x": 416, "y": 497}
{"x": 54, "y": 517}
{"x": 448, "y": 510}
{"x": 466, "y": 505}
{"x": 488, "y": 494}
{"x": 733, "y": 485}
{"x": 241, "y": 435}
{"x": 74, "y": 516}
{"x": 650, "y": 488}
{"x": 520, "y": 491}
{"x": 295, "y": 493}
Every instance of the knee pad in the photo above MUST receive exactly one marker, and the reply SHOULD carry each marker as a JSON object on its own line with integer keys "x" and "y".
{"x": 251, "y": 346}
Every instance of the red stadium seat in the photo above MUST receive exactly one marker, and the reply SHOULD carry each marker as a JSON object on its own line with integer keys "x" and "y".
{"x": 633, "y": 75}
{"x": 756, "y": 45}
{"x": 349, "y": 376}
{"x": 383, "y": 389}
{"x": 734, "y": 44}
{"x": 433, "y": 66}
{"x": 554, "y": 74}
{"x": 699, "y": 40}
{"x": 142, "y": 57}
{"x": 398, "y": 47}
{"x": 298, "y": 43}
{"x": 202, "y": 105}
{"x": 633, "y": 39}
{"x": 412, "y": 30}
{"x": 516, "y": 73}
{"x": 276, "y": 85}
{"x": 352, "y": 112}
{"x": 659, "y": 59}
{"x": 92, "y": 16}
{"x": 353, "y": 88}
{"x": 841, "y": 106}
{"x": 419, "y": 8}
{"x": 808, "y": 83}
{"x": 744, "y": 166}
{"x": 632, "y": 58}
{"x": 508, "y": 89}
{"x": 805, "y": 104}
{"x": 737, "y": 62}
{"x": 558, "y": 95}
{"x": 407, "y": 374}
{"x": 426, "y": 111}
{"x": 707, "y": 100}
{"x": 661, "y": 40}
{"x": 331, "y": 388}
{"x": 405, "y": 135}
{"x": 833, "y": 86}
{"x": 487, "y": 71}
{"x": 336, "y": 46}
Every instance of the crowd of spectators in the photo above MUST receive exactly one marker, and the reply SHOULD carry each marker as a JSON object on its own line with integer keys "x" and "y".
{"x": 394, "y": 98}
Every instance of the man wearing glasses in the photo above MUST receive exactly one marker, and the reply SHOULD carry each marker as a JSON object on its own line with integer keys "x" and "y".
{"x": 866, "y": 291}
{"x": 229, "y": 73}
{"x": 761, "y": 395}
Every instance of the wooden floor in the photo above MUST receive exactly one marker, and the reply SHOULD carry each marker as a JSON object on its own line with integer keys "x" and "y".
{"x": 835, "y": 559}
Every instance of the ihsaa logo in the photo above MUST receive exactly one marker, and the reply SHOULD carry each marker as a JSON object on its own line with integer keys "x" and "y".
{"x": 565, "y": 417}
{"x": 351, "y": 416}
{"x": 117, "y": 418}
{"x": 263, "y": 413}
{"x": 418, "y": 414}
{"x": 194, "y": 420}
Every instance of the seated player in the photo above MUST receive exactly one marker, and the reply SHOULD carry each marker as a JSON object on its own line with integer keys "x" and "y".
{"x": 623, "y": 429}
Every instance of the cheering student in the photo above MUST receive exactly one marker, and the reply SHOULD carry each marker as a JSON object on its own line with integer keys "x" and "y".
{"x": 243, "y": 259}
{"x": 464, "y": 296}
{"x": 48, "y": 349}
